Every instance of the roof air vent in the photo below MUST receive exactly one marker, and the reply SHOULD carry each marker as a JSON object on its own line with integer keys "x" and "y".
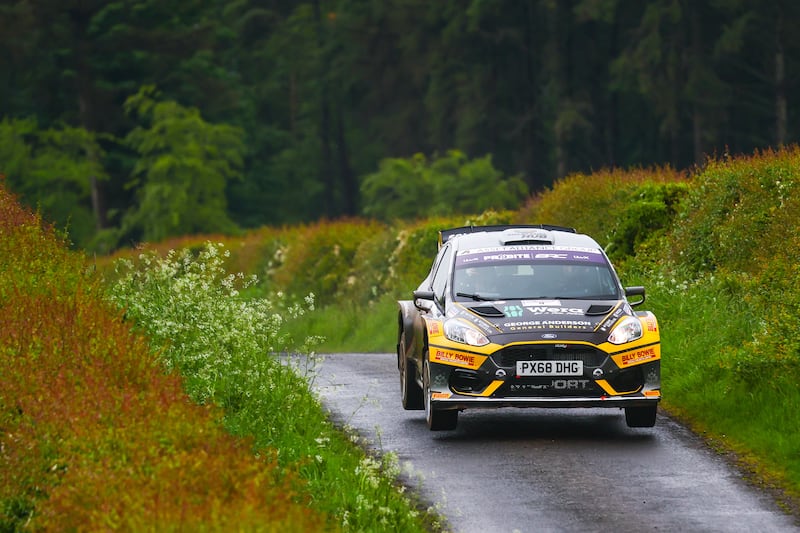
{"x": 526, "y": 236}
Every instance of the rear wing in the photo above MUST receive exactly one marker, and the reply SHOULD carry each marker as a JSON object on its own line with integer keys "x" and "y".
{"x": 447, "y": 234}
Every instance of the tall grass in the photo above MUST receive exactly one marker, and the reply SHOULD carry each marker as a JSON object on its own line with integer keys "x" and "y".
{"x": 97, "y": 431}
{"x": 227, "y": 348}
{"x": 93, "y": 434}
{"x": 719, "y": 253}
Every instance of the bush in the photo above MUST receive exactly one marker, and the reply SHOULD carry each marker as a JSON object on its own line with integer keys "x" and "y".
{"x": 405, "y": 189}
{"x": 646, "y": 218}
{"x": 94, "y": 434}
{"x": 317, "y": 258}
{"x": 738, "y": 211}
{"x": 227, "y": 348}
{"x": 593, "y": 204}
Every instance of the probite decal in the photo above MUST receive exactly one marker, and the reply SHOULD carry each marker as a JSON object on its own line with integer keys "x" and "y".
{"x": 524, "y": 254}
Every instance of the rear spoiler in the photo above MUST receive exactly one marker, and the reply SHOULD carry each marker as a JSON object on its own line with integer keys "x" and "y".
{"x": 446, "y": 234}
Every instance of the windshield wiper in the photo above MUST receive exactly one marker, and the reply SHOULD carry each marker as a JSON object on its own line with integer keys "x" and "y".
{"x": 476, "y": 297}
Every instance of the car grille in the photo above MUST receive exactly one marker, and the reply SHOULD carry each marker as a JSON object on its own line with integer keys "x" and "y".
{"x": 508, "y": 357}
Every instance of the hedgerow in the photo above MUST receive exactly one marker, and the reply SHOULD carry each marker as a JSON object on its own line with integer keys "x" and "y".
{"x": 93, "y": 433}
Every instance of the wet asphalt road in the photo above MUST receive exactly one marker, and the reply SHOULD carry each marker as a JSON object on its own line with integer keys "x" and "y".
{"x": 537, "y": 470}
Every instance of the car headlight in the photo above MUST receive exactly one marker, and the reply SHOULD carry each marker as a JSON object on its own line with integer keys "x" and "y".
{"x": 629, "y": 329}
{"x": 458, "y": 331}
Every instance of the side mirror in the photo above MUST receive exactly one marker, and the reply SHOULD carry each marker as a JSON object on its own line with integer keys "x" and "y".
{"x": 635, "y": 291}
{"x": 423, "y": 300}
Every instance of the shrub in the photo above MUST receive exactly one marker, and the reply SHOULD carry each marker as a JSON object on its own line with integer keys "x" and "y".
{"x": 593, "y": 204}
{"x": 317, "y": 258}
{"x": 405, "y": 189}
{"x": 733, "y": 205}
{"x": 94, "y": 434}
{"x": 225, "y": 346}
{"x": 646, "y": 218}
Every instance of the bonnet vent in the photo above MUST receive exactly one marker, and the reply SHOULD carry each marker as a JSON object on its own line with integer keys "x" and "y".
{"x": 599, "y": 309}
{"x": 487, "y": 311}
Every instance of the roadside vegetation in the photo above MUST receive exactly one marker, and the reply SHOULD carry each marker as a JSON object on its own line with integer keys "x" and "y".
{"x": 152, "y": 402}
{"x": 163, "y": 384}
{"x": 719, "y": 254}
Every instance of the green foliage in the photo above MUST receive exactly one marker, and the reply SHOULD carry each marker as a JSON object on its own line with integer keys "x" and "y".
{"x": 212, "y": 340}
{"x": 317, "y": 259}
{"x": 94, "y": 434}
{"x": 225, "y": 347}
{"x": 647, "y": 217}
{"x": 53, "y": 170}
{"x": 444, "y": 186}
{"x": 610, "y": 205}
{"x": 308, "y": 83}
{"x": 184, "y": 166}
{"x": 734, "y": 204}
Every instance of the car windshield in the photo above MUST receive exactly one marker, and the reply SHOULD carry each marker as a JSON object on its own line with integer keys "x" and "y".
{"x": 520, "y": 278}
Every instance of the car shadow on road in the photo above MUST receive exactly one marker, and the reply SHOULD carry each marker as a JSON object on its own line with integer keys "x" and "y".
{"x": 606, "y": 425}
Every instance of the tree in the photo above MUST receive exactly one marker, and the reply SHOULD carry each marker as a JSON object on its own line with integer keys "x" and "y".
{"x": 52, "y": 171}
{"x": 183, "y": 168}
{"x": 444, "y": 185}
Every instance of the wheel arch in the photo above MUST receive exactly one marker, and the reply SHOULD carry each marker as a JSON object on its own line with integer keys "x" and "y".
{"x": 411, "y": 323}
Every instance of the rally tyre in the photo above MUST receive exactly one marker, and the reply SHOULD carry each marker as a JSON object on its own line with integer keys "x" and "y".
{"x": 437, "y": 419}
{"x": 641, "y": 417}
{"x": 410, "y": 391}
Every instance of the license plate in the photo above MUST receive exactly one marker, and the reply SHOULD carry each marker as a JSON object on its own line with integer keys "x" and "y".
{"x": 549, "y": 368}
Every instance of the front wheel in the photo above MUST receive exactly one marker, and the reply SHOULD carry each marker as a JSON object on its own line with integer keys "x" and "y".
{"x": 410, "y": 391}
{"x": 641, "y": 417}
{"x": 437, "y": 419}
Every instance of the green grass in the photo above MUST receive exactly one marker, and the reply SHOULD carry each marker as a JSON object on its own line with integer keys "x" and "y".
{"x": 703, "y": 323}
{"x": 224, "y": 345}
{"x": 351, "y": 328}
{"x": 95, "y": 435}
{"x": 97, "y": 430}
{"x": 703, "y": 327}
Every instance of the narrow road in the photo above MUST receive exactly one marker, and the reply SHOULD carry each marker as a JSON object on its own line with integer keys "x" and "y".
{"x": 542, "y": 470}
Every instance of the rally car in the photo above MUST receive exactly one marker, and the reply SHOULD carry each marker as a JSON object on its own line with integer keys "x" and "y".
{"x": 526, "y": 316}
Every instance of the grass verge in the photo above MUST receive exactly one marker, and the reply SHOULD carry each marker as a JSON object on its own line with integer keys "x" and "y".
{"x": 224, "y": 345}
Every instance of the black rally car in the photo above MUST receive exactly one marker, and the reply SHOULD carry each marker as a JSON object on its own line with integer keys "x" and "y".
{"x": 526, "y": 316}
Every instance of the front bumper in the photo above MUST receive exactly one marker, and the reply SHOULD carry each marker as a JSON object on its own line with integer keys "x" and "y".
{"x": 494, "y": 384}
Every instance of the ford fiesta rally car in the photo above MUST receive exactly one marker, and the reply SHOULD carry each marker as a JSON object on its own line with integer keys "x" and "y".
{"x": 526, "y": 316}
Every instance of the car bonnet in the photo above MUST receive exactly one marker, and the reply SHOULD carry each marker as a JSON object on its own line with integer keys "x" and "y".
{"x": 543, "y": 319}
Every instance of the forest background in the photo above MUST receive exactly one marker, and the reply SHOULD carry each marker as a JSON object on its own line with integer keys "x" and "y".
{"x": 131, "y": 121}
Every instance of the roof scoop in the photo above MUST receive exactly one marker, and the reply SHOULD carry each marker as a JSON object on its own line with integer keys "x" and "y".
{"x": 526, "y": 236}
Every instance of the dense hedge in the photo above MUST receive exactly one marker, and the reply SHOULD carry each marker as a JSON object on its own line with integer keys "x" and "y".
{"x": 93, "y": 434}
{"x": 740, "y": 223}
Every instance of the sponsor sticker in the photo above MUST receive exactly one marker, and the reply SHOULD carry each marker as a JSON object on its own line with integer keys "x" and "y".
{"x": 512, "y": 310}
{"x": 532, "y": 325}
{"x": 451, "y": 357}
{"x": 541, "y": 310}
{"x": 434, "y": 329}
{"x": 517, "y": 254}
{"x": 637, "y": 356}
